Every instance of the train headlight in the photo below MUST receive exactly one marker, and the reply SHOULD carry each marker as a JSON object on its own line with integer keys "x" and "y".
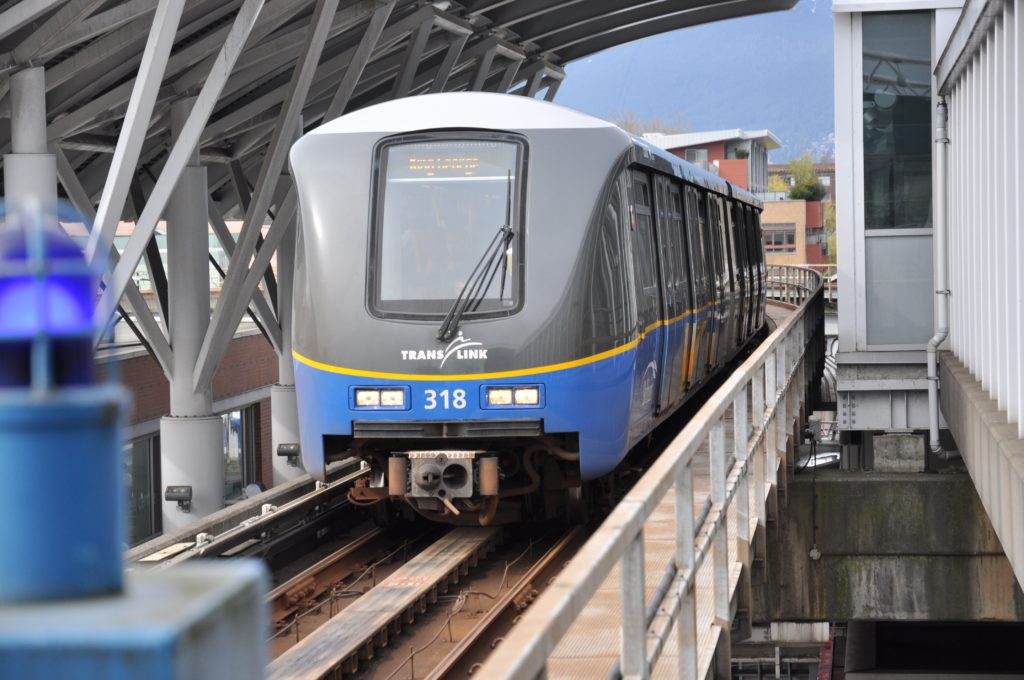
{"x": 391, "y": 397}
{"x": 527, "y": 396}
{"x": 499, "y": 396}
{"x": 368, "y": 397}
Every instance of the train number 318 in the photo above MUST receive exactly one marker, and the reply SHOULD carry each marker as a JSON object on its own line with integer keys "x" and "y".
{"x": 446, "y": 398}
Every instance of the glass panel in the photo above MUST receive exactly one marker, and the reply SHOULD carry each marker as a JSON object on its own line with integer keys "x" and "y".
{"x": 443, "y": 203}
{"x": 899, "y": 289}
{"x": 138, "y": 470}
{"x": 233, "y": 481}
{"x": 897, "y": 120}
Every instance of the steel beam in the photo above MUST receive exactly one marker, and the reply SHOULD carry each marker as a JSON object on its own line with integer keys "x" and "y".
{"x": 411, "y": 61}
{"x": 361, "y": 57}
{"x": 151, "y": 333}
{"x": 133, "y": 131}
{"x": 23, "y": 13}
{"x": 45, "y": 36}
{"x": 247, "y": 281}
{"x": 451, "y": 58}
{"x": 233, "y": 301}
{"x": 183, "y": 148}
{"x": 260, "y": 307}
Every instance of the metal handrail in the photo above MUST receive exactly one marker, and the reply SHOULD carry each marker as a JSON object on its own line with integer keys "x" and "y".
{"x": 774, "y": 377}
{"x": 782, "y": 282}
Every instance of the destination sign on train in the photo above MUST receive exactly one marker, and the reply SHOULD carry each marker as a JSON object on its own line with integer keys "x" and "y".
{"x": 454, "y": 159}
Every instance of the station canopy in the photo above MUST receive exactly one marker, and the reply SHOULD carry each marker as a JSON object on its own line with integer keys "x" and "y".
{"x": 241, "y": 79}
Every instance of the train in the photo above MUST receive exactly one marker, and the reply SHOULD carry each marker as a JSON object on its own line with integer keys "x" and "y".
{"x": 496, "y": 297}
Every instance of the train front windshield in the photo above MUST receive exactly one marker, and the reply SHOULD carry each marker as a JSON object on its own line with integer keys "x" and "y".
{"x": 440, "y": 204}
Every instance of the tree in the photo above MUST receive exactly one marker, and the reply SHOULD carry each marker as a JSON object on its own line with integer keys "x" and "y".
{"x": 777, "y": 184}
{"x": 806, "y": 186}
{"x": 630, "y": 122}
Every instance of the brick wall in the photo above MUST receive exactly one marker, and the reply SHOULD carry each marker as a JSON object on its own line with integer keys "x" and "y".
{"x": 249, "y": 364}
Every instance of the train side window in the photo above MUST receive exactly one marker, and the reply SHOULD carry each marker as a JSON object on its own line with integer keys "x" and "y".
{"x": 668, "y": 240}
{"x": 739, "y": 237}
{"x": 643, "y": 249}
{"x": 607, "y": 310}
{"x": 713, "y": 267}
{"x": 695, "y": 240}
{"x": 682, "y": 278}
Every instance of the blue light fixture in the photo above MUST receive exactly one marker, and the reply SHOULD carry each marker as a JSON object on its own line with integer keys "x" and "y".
{"x": 61, "y": 496}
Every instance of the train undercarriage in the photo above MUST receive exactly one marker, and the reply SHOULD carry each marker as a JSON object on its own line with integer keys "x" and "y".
{"x": 480, "y": 483}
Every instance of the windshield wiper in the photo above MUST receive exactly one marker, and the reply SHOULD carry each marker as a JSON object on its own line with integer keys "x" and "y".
{"x": 479, "y": 281}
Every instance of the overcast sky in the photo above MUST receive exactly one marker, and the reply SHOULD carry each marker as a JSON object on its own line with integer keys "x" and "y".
{"x": 767, "y": 71}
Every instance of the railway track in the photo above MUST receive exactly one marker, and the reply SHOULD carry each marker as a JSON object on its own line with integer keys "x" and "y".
{"x": 450, "y": 602}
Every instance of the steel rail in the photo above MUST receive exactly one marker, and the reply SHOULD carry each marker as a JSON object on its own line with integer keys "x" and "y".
{"x": 273, "y": 522}
{"x": 352, "y": 634}
{"x": 506, "y": 605}
{"x": 317, "y": 579}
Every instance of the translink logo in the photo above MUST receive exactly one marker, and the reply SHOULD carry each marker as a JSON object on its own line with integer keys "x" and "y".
{"x": 458, "y": 348}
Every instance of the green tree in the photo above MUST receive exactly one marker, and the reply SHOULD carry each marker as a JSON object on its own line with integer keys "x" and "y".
{"x": 830, "y": 231}
{"x": 806, "y": 186}
{"x": 777, "y": 184}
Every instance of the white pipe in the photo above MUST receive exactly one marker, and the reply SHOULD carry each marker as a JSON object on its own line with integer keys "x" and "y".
{"x": 941, "y": 279}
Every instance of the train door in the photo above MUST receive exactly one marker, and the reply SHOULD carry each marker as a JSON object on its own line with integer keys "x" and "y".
{"x": 726, "y": 308}
{"x": 675, "y": 291}
{"x": 648, "y": 305}
{"x": 727, "y": 340}
{"x": 700, "y": 290}
{"x": 762, "y": 272}
{"x": 739, "y": 239}
{"x": 713, "y": 255}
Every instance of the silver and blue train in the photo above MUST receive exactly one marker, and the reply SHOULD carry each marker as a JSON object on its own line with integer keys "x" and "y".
{"x": 497, "y": 297}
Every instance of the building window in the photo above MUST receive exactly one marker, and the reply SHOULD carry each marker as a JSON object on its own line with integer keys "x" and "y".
{"x": 142, "y": 479}
{"x": 697, "y": 157}
{"x": 897, "y": 120}
{"x": 825, "y": 180}
{"x": 240, "y": 467}
{"x": 779, "y": 238}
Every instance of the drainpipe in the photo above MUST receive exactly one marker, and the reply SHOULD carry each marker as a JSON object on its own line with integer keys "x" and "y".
{"x": 941, "y": 279}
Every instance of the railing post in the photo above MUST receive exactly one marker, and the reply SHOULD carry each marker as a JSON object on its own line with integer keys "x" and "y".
{"x": 633, "y": 640}
{"x": 781, "y": 417}
{"x": 741, "y": 449}
{"x": 770, "y": 395}
{"x": 757, "y": 394}
{"x": 685, "y": 531}
{"x": 716, "y": 441}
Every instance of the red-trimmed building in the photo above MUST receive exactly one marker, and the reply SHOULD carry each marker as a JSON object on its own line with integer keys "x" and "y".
{"x": 738, "y": 156}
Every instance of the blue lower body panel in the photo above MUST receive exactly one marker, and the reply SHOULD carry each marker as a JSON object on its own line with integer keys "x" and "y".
{"x": 592, "y": 400}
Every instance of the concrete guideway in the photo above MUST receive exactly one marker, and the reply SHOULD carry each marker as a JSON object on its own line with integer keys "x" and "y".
{"x": 763, "y": 399}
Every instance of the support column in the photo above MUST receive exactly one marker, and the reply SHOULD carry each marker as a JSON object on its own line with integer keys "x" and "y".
{"x": 191, "y": 437}
{"x": 284, "y": 410}
{"x": 30, "y": 172}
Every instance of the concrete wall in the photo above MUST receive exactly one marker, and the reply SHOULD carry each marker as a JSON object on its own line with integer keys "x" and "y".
{"x": 910, "y": 547}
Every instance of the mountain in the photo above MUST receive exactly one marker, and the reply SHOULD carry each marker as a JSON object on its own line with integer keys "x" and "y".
{"x": 767, "y": 71}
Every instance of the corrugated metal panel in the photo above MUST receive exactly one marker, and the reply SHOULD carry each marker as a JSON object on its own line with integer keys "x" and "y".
{"x": 986, "y": 102}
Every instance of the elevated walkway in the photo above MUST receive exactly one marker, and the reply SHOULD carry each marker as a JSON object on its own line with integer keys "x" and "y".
{"x": 658, "y": 584}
